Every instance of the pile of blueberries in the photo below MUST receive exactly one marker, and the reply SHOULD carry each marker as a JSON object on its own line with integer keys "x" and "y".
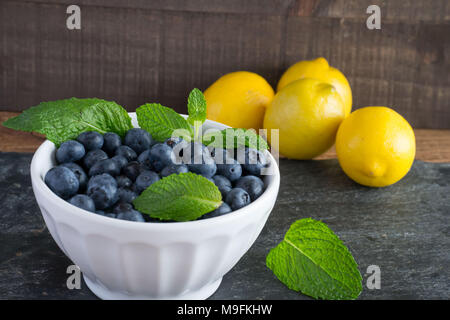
{"x": 103, "y": 174}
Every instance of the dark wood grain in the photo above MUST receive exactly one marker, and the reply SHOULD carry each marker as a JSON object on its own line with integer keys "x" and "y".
{"x": 391, "y": 10}
{"x": 199, "y": 48}
{"x": 145, "y": 51}
{"x": 271, "y": 7}
{"x": 113, "y": 57}
{"x": 415, "y": 10}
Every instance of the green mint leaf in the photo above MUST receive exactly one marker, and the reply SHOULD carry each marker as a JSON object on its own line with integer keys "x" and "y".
{"x": 234, "y": 138}
{"x": 196, "y": 110}
{"x": 196, "y": 107}
{"x": 62, "y": 120}
{"x": 161, "y": 121}
{"x": 313, "y": 260}
{"x": 179, "y": 197}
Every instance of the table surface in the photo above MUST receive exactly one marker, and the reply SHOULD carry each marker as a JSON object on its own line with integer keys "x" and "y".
{"x": 403, "y": 229}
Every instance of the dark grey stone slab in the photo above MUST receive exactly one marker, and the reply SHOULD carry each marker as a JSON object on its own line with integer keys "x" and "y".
{"x": 404, "y": 229}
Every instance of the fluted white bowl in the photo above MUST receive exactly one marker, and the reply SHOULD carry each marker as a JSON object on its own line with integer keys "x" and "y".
{"x": 133, "y": 260}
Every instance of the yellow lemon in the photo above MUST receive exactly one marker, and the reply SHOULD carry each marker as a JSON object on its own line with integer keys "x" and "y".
{"x": 307, "y": 113}
{"x": 375, "y": 146}
{"x": 239, "y": 99}
{"x": 319, "y": 69}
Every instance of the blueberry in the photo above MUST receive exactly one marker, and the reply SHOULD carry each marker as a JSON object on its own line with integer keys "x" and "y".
{"x": 237, "y": 198}
{"x": 126, "y": 195}
{"x": 252, "y": 160}
{"x": 123, "y": 182}
{"x": 106, "y": 214}
{"x": 127, "y": 152}
{"x": 161, "y": 155}
{"x": 145, "y": 179}
{"x": 131, "y": 215}
{"x": 62, "y": 181}
{"x": 206, "y": 169}
{"x": 103, "y": 190}
{"x": 70, "y": 151}
{"x": 138, "y": 140}
{"x": 105, "y": 166}
{"x": 230, "y": 169}
{"x": 252, "y": 184}
{"x": 223, "y": 184}
{"x": 173, "y": 141}
{"x": 125, "y": 211}
{"x": 83, "y": 201}
{"x": 199, "y": 159}
{"x": 122, "y": 207}
{"x": 132, "y": 170}
{"x": 121, "y": 161}
{"x": 91, "y": 140}
{"x": 94, "y": 156}
{"x": 173, "y": 169}
{"x": 79, "y": 173}
{"x": 144, "y": 158}
{"x": 223, "y": 209}
{"x": 111, "y": 142}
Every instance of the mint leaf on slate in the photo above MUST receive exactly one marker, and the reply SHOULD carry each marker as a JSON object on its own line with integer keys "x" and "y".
{"x": 234, "y": 138}
{"x": 161, "y": 121}
{"x": 179, "y": 197}
{"x": 65, "y": 119}
{"x": 196, "y": 110}
{"x": 313, "y": 260}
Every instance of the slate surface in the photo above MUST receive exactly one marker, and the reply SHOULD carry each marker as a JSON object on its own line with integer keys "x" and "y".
{"x": 404, "y": 229}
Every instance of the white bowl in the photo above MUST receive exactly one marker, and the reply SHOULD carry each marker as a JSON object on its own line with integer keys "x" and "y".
{"x": 133, "y": 260}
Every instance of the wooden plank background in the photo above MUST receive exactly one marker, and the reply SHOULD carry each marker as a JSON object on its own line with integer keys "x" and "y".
{"x": 141, "y": 51}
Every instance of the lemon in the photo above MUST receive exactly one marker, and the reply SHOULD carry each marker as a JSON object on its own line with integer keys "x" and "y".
{"x": 319, "y": 69}
{"x": 239, "y": 99}
{"x": 375, "y": 146}
{"x": 307, "y": 113}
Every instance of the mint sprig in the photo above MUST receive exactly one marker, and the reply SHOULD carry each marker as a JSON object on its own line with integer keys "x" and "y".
{"x": 234, "y": 138}
{"x": 62, "y": 120}
{"x": 161, "y": 121}
{"x": 196, "y": 110}
{"x": 313, "y": 260}
{"x": 179, "y": 197}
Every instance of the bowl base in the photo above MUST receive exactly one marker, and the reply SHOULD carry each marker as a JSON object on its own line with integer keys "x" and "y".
{"x": 105, "y": 294}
